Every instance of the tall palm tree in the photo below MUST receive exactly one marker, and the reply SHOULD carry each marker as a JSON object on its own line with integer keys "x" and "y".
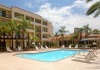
{"x": 56, "y": 35}
{"x": 95, "y": 8}
{"x": 25, "y": 24}
{"x": 77, "y": 35}
{"x": 4, "y": 30}
{"x": 12, "y": 25}
{"x": 62, "y": 31}
{"x": 86, "y": 29}
{"x": 80, "y": 32}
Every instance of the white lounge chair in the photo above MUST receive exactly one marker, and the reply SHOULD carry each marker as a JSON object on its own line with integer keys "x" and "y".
{"x": 46, "y": 46}
{"x": 42, "y": 47}
{"x": 19, "y": 48}
{"x": 76, "y": 46}
{"x": 70, "y": 46}
{"x": 8, "y": 49}
{"x": 86, "y": 58}
{"x": 63, "y": 46}
{"x": 36, "y": 48}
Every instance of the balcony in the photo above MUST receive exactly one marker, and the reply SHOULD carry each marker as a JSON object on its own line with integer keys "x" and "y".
{"x": 5, "y": 16}
{"x": 38, "y": 21}
{"x": 45, "y": 23}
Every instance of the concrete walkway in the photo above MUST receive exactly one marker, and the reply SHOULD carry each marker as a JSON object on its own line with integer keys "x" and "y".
{"x": 10, "y": 62}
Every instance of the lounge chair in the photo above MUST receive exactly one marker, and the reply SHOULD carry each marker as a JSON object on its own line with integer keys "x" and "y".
{"x": 70, "y": 46}
{"x": 46, "y": 46}
{"x": 36, "y": 48}
{"x": 76, "y": 46}
{"x": 42, "y": 47}
{"x": 8, "y": 49}
{"x": 86, "y": 58}
{"x": 63, "y": 46}
{"x": 19, "y": 48}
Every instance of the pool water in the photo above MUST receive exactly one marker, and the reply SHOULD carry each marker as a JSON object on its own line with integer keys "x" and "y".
{"x": 49, "y": 56}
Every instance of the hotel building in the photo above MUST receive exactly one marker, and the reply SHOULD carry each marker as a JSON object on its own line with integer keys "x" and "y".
{"x": 42, "y": 28}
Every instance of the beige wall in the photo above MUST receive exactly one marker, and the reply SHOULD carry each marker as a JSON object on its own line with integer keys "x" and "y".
{"x": 50, "y": 29}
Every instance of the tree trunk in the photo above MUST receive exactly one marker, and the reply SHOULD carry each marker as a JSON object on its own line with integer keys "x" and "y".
{"x": 4, "y": 43}
{"x": 16, "y": 42}
{"x": 28, "y": 41}
{"x": 12, "y": 39}
{"x": 23, "y": 42}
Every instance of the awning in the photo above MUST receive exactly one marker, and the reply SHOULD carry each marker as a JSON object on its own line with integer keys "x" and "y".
{"x": 89, "y": 39}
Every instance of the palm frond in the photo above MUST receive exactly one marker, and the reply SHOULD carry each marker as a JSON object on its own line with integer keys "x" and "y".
{"x": 93, "y": 8}
{"x": 97, "y": 13}
{"x": 88, "y": 0}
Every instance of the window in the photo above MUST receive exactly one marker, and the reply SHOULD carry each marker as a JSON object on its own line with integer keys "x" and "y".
{"x": 2, "y": 13}
{"x": 45, "y": 23}
{"x": 44, "y": 29}
{"x": 18, "y": 15}
{"x": 38, "y": 29}
{"x": 38, "y": 21}
{"x": 30, "y": 18}
{"x": 39, "y": 36}
{"x": 45, "y": 36}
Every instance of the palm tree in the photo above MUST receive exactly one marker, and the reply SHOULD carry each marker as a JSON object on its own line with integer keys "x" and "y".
{"x": 13, "y": 27}
{"x": 56, "y": 35}
{"x": 86, "y": 29}
{"x": 77, "y": 35}
{"x": 34, "y": 39}
{"x": 80, "y": 32}
{"x": 62, "y": 31}
{"x": 4, "y": 30}
{"x": 96, "y": 31}
{"x": 95, "y": 8}
{"x": 25, "y": 24}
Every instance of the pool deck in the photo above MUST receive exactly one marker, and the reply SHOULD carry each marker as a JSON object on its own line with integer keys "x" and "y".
{"x": 10, "y": 62}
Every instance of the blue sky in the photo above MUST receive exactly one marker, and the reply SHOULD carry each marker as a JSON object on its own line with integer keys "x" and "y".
{"x": 69, "y": 13}
{"x": 35, "y": 4}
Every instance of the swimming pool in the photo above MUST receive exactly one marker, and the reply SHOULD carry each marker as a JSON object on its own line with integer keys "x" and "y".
{"x": 49, "y": 56}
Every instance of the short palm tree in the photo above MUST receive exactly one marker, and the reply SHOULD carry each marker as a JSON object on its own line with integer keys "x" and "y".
{"x": 96, "y": 31}
{"x": 86, "y": 29}
{"x": 80, "y": 32}
{"x": 34, "y": 39}
{"x": 56, "y": 35}
{"x": 62, "y": 31}
{"x": 95, "y": 8}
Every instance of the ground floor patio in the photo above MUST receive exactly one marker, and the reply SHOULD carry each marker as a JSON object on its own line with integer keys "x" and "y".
{"x": 10, "y": 62}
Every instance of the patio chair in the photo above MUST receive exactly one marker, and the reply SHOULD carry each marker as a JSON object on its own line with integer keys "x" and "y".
{"x": 86, "y": 58}
{"x": 19, "y": 48}
{"x": 76, "y": 46}
{"x": 46, "y": 46}
{"x": 36, "y": 48}
{"x": 42, "y": 47}
{"x": 8, "y": 49}
{"x": 94, "y": 53}
{"x": 70, "y": 46}
{"x": 63, "y": 46}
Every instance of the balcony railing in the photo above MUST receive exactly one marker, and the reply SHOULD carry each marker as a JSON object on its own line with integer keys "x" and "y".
{"x": 6, "y": 16}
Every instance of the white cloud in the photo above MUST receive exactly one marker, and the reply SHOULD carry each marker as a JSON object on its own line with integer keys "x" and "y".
{"x": 38, "y": 1}
{"x": 29, "y": 4}
{"x": 64, "y": 17}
